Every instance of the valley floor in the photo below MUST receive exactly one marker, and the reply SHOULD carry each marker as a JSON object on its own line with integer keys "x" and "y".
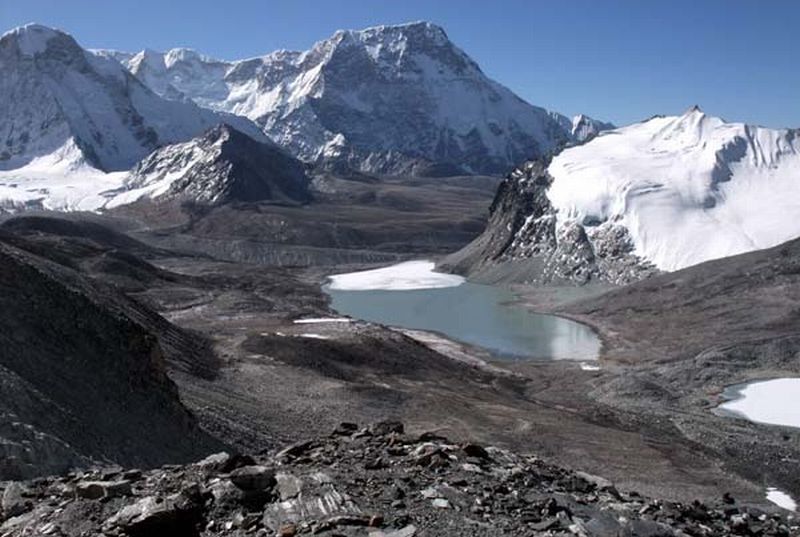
{"x": 283, "y": 382}
{"x": 643, "y": 420}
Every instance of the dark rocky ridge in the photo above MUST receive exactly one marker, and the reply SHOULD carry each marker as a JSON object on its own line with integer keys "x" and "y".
{"x": 523, "y": 243}
{"x": 224, "y": 165}
{"x": 356, "y": 219}
{"x": 357, "y": 482}
{"x": 82, "y": 376}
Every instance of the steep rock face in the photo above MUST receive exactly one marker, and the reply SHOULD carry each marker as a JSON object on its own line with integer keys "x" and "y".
{"x": 524, "y": 240}
{"x": 81, "y": 380}
{"x": 663, "y": 194}
{"x": 221, "y": 166}
{"x": 66, "y": 107}
{"x": 389, "y": 99}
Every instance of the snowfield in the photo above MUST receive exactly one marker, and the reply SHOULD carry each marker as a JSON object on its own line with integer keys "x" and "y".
{"x": 688, "y": 189}
{"x": 401, "y": 277}
{"x": 773, "y": 402}
{"x": 58, "y": 184}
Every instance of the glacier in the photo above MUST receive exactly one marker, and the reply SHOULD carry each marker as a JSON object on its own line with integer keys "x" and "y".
{"x": 687, "y": 188}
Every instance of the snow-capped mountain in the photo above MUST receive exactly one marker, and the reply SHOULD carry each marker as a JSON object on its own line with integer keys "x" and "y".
{"x": 663, "y": 194}
{"x": 388, "y": 99}
{"x": 75, "y": 122}
{"x": 64, "y": 106}
{"x": 221, "y": 166}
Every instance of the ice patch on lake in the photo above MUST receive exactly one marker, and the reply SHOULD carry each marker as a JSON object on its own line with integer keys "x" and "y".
{"x": 589, "y": 367}
{"x": 781, "y": 499}
{"x": 314, "y": 336}
{"x": 320, "y": 320}
{"x": 773, "y": 402}
{"x": 401, "y": 277}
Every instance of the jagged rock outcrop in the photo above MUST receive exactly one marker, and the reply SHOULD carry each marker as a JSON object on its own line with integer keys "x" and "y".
{"x": 375, "y": 481}
{"x": 223, "y": 165}
{"x": 525, "y": 242}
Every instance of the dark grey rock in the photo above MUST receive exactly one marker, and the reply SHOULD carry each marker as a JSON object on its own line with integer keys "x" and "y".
{"x": 253, "y": 478}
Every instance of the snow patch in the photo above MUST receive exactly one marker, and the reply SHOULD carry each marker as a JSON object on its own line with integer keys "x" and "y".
{"x": 319, "y": 320}
{"x": 589, "y": 367}
{"x": 781, "y": 499}
{"x": 314, "y": 336}
{"x": 772, "y": 402}
{"x": 401, "y": 277}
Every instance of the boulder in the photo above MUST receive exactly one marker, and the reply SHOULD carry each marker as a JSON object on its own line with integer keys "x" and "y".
{"x": 384, "y": 428}
{"x": 14, "y": 501}
{"x": 253, "y": 478}
{"x": 177, "y": 515}
{"x": 94, "y": 490}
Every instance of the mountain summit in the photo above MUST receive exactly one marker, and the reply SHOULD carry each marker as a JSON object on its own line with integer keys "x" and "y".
{"x": 223, "y": 165}
{"x": 388, "y": 99}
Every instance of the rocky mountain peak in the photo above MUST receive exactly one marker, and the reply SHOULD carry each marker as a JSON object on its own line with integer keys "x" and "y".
{"x": 585, "y": 127}
{"x": 401, "y": 51}
{"x": 660, "y": 195}
{"x": 222, "y": 165}
{"x": 33, "y": 39}
{"x": 527, "y": 240}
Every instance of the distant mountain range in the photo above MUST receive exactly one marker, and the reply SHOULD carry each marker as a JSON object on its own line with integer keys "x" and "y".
{"x": 96, "y": 129}
{"x": 390, "y": 99}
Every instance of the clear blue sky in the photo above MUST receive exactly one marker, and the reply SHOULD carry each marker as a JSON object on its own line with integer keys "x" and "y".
{"x": 619, "y": 60}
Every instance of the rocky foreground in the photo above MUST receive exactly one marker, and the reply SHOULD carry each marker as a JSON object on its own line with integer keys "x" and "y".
{"x": 376, "y": 482}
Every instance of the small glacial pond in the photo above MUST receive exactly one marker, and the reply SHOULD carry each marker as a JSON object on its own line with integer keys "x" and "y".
{"x": 411, "y": 295}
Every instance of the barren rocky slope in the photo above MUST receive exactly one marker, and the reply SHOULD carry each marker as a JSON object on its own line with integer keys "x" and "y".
{"x": 718, "y": 304}
{"x": 221, "y": 166}
{"x": 82, "y": 375}
{"x": 376, "y": 482}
